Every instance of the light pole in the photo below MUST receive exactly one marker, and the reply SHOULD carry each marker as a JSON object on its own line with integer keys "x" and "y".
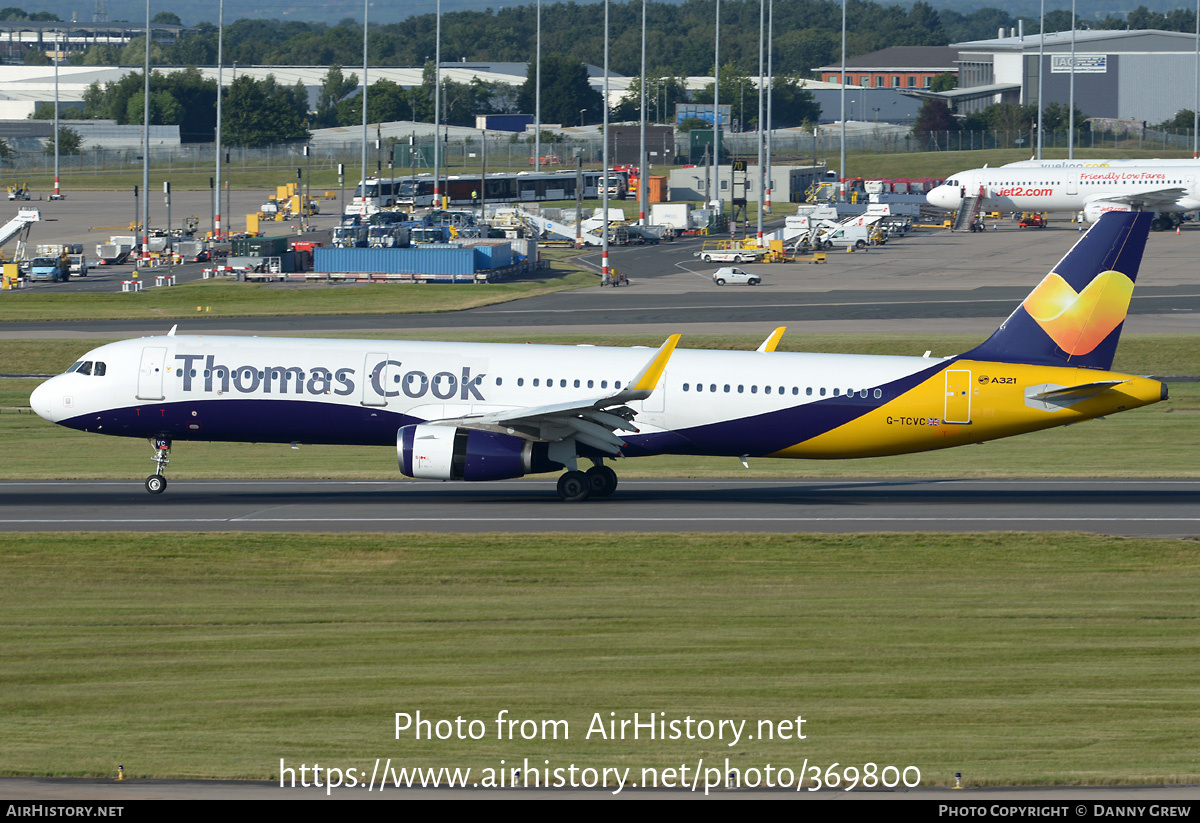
{"x": 220, "y": 58}
{"x": 537, "y": 96}
{"x": 581, "y": 113}
{"x": 604, "y": 278}
{"x": 762, "y": 23}
{"x": 363, "y": 179}
{"x": 1042, "y": 70}
{"x": 770, "y": 97}
{"x": 716, "y": 158}
{"x": 842, "y": 170}
{"x": 643, "y": 181}
{"x": 1071, "y": 105}
{"x": 57, "y": 195}
{"x": 437, "y": 110}
{"x": 146, "y": 143}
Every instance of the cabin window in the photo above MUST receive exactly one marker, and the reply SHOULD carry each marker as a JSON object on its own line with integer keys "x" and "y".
{"x": 576, "y": 384}
{"x": 520, "y": 381}
{"x": 795, "y": 389}
{"x": 591, "y": 383}
{"x": 685, "y": 386}
{"x": 767, "y": 389}
{"x": 741, "y": 389}
{"x": 727, "y": 388}
{"x": 499, "y": 381}
{"x": 616, "y": 384}
{"x": 822, "y": 391}
{"x": 712, "y": 387}
{"x": 878, "y": 393}
{"x": 535, "y": 382}
{"x": 603, "y": 383}
{"x": 754, "y": 389}
{"x": 808, "y": 391}
{"x": 836, "y": 392}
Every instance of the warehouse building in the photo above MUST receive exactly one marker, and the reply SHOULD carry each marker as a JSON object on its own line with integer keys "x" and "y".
{"x": 1146, "y": 74}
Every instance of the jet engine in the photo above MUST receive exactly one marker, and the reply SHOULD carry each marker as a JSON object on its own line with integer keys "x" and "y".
{"x": 432, "y": 452}
{"x": 1092, "y": 211}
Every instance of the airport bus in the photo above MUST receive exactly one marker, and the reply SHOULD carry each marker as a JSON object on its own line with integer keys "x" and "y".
{"x": 464, "y": 190}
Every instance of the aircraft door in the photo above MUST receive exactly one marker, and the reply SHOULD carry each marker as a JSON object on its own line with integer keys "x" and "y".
{"x": 1073, "y": 183}
{"x": 151, "y": 373}
{"x": 958, "y": 396}
{"x": 375, "y": 379}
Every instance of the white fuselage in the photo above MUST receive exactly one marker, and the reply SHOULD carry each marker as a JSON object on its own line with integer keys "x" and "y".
{"x": 1162, "y": 188}
{"x": 359, "y": 391}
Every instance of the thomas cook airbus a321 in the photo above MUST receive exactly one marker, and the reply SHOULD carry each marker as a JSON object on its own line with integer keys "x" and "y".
{"x": 469, "y": 411}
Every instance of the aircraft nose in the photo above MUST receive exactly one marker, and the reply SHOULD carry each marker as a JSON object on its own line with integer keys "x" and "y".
{"x": 39, "y": 401}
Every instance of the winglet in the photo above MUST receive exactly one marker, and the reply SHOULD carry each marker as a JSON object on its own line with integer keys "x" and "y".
{"x": 773, "y": 341}
{"x": 647, "y": 379}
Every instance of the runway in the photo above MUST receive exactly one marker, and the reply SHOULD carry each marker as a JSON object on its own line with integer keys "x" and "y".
{"x": 1141, "y": 508}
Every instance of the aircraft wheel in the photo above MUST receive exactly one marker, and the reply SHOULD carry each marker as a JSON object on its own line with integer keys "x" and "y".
{"x": 574, "y": 487}
{"x": 603, "y": 480}
{"x": 156, "y": 483}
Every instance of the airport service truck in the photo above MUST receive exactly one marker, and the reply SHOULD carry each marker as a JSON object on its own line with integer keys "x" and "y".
{"x": 49, "y": 267}
{"x": 76, "y": 260}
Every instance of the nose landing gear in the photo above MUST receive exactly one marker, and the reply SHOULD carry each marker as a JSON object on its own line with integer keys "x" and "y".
{"x": 157, "y": 482}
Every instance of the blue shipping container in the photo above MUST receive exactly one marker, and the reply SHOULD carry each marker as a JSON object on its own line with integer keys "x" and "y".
{"x": 394, "y": 261}
{"x": 496, "y": 256}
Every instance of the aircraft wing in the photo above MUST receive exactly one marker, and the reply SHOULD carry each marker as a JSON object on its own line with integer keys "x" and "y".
{"x": 591, "y": 420}
{"x": 1145, "y": 199}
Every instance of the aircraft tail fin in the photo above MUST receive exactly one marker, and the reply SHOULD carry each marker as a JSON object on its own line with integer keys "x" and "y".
{"x": 1074, "y": 316}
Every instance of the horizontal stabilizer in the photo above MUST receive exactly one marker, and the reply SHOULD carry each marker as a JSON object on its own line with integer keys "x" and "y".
{"x": 1050, "y": 397}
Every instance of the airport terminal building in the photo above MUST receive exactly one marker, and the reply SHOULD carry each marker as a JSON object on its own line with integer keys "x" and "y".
{"x": 1146, "y": 75}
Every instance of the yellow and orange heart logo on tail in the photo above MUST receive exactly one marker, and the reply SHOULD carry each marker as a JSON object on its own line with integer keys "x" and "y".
{"x": 1078, "y": 322}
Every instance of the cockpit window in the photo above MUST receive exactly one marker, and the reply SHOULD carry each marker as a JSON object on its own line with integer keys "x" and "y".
{"x": 96, "y": 369}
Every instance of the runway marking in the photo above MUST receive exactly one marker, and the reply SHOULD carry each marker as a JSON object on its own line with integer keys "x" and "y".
{"x": 813, "y": 305}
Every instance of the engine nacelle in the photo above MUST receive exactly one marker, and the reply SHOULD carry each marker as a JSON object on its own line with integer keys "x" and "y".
{"x": 432, "y": 452}
{"x": 1092, "y": 211}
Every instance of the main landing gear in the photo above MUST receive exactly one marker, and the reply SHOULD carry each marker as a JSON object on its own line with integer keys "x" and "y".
{"x": 598, "y": 481}
{"x": 157, "y": 482}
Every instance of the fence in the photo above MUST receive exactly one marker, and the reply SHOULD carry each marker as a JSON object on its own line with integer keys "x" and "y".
{"x": 465, "y": 155}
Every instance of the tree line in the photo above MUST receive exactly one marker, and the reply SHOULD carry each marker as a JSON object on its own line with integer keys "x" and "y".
{"x": 679, "y": 37}
{"x": 257, "y": 112}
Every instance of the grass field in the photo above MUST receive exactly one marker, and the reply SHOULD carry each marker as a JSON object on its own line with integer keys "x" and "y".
{"x": 1141, "y": 443}
{"x": 859, "y": 164}
{"x": 1010, "y": 658}
{"x": 220, "y": 298}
